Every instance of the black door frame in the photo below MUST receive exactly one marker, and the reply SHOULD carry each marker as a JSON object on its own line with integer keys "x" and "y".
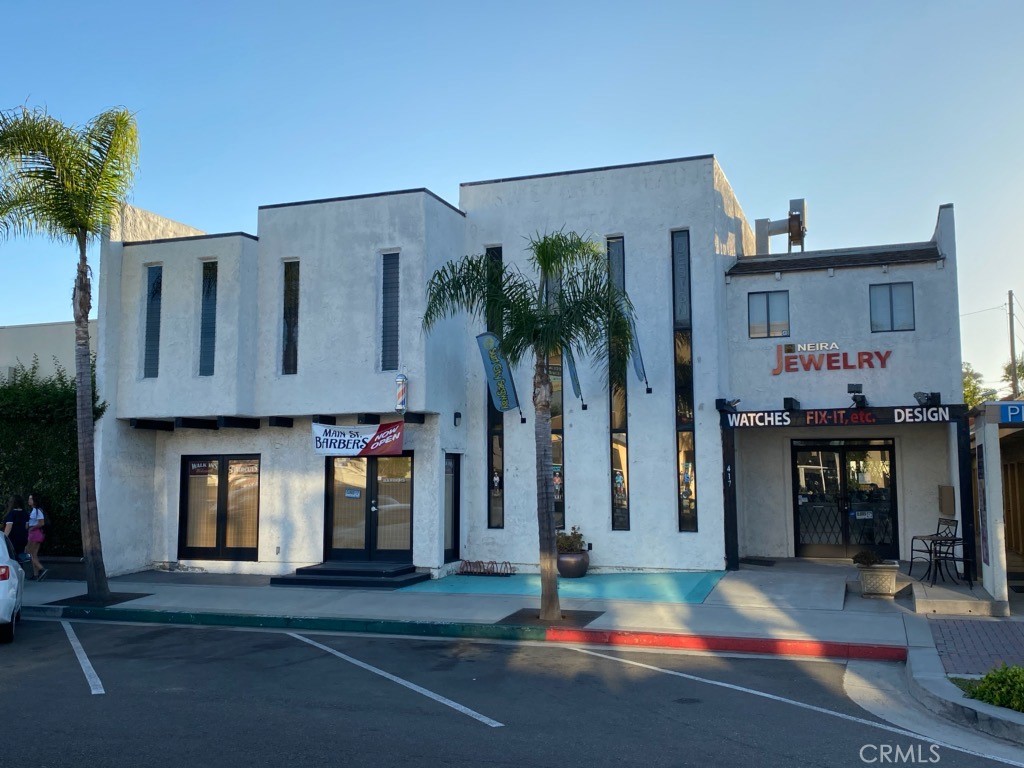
{"x": 452, "y": 554}
{"x": 842, "y": 446}
{"x": 220, "y": 551}
{"x": 369, "y": 553}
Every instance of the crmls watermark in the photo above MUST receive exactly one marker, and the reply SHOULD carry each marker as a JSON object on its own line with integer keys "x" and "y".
{"x": 913, "y": 754}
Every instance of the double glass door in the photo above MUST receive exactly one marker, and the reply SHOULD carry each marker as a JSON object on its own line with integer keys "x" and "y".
{"x": 845, "y": 498}
{"x": 369, "y": 508}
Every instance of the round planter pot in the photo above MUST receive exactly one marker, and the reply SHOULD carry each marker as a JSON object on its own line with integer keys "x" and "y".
{"x": 572, "y": 565}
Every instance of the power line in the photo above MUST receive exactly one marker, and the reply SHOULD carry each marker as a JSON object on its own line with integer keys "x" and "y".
{"x": 979, "y": 311}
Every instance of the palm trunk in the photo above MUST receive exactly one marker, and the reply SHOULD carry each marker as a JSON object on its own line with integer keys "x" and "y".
{"x": 550, "y": 610}
{"x": 95, "y": 573}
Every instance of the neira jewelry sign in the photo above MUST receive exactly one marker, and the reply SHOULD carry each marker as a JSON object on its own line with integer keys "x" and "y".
{"x": 371, "y": 440}
{"x": 825, "y": 356}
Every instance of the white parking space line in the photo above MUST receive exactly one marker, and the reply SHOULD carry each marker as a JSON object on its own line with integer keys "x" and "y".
{"x": 411, "y": 686}
{"x": 90, "y": 674}
{"x": 802, "y": 705}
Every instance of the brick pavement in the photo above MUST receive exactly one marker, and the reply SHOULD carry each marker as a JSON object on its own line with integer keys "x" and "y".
{"x": 976, "y": 646}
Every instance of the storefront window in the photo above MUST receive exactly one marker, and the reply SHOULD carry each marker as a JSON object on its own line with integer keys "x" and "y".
{"x": 683, "y": 340}
{"x": 557, "y": 438}
{"x": 687, "y": 482}
{"x": 220, "y": 503}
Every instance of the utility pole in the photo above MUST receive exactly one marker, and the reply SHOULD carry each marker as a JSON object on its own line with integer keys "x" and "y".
{"x": 1013, "y": 354}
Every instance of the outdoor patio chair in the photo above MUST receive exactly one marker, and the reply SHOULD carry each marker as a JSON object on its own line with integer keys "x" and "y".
{"x": 923, "y": 547}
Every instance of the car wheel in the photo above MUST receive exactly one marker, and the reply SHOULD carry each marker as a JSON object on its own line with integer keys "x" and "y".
{"x": 7, "y": 632}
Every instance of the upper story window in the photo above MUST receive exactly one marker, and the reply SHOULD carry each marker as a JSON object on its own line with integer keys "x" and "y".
{"x": 290, "y": 325}
{"x": 892, "y": 307}
{"x": 208, "y": 319}
{"x": 389, "y": 314}
{"x": 768, "y": 314}
{"x": 154, "y": 297}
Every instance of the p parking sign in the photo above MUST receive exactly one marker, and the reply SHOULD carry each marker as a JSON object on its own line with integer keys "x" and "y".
{"x": 1011, "y": 413}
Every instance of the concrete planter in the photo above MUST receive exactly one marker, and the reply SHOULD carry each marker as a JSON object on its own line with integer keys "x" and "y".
{"x": 878, "y": 580}
{"x": 573, "y": 565}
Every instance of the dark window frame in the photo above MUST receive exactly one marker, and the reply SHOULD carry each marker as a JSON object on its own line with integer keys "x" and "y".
{"x": 208, "y": 319}
{"x": 154, "y": 304}
{"x": 495, "y": 424}
{"x": 221, "y": 551}
{"x": 622, "y": 432}
{"x": 391, "y": 310}
{"x": 892, "y": 314}
{"x": 291, "y": 299}
{"x": 687, "y": 519}
{"x": 768, "y": 316}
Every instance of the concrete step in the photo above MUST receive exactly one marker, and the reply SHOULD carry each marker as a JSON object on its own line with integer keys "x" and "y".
{"x": 344, "y": 568}
{"x": 349, "y": 581}
{"x": 937, "y": 602}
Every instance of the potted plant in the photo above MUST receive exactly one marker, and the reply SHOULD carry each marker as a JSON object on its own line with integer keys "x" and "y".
{"x": 573, "y": 558}
{"x": 877, "y": 576}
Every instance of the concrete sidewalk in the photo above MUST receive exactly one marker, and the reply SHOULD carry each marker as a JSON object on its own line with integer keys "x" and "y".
{"x": 804, "y": 611}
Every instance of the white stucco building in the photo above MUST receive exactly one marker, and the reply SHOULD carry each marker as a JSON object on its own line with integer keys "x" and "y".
{"x": 219, "y": 352}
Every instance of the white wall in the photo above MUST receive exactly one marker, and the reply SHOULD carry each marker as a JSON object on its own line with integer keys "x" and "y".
{"x": 51, "y": 343}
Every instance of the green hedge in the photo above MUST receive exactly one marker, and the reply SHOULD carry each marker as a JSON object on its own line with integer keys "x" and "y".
{"x": 39, "y": 449}
{"x": 1003, "y": 687}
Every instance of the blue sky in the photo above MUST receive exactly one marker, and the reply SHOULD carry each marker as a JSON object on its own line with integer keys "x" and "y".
{"x": 876, "y": 112}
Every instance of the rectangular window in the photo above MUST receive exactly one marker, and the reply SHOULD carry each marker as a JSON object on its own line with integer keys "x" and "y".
{"x": 683, "y": 341}
{"x": 290, "y": 324}
{"x": 220, "y": 502}
{"x": 768, "y": 314}
{"x": 557, "y": 438}
{"x": 154, "y": 296}
{"x": 892, "y": 307}
{"x": 389, "y": 304}
{"x": 208, "y": 319}
{"x": 618, "y": 417}
{"x": 495, "y": 422}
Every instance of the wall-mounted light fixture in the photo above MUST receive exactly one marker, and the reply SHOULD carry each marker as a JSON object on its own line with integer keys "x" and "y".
{"x": 928, "y": 399}
{"x": 859, "y": 401}
{"x": 458, "y": 418}
{"x": 726, "y": 406}
{"x": 790, "y": 404}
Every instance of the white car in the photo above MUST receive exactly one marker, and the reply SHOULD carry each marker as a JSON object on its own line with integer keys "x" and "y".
{"x": 12, "y": 587}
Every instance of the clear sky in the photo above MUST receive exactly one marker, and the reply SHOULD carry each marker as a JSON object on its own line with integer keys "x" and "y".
{"x": 876, "y": 112}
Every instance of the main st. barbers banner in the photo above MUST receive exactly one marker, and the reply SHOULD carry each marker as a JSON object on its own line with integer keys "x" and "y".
{"x": 370, "y": 440}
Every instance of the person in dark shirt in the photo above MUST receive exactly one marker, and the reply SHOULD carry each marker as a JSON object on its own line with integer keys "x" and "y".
{"x": 16, "y": 524}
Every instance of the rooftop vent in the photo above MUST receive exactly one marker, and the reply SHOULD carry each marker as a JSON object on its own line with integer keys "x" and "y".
{"x": 794, "y": 225}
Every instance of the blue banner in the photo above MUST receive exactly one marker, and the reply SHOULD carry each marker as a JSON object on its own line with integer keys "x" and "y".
{"x": 638, "y": 360}
{"x": 499, "y": 377}
{"x": 573, "y": 377}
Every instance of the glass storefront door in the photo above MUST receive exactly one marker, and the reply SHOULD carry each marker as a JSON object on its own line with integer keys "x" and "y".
{"x": 844, "y": 498}
{"x": 369, "y": 508}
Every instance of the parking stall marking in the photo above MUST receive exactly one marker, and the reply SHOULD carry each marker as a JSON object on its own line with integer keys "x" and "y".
{"x": 802, "y": 705}
{"x": 90, "y": 674}
{"x": 411, "y": 686}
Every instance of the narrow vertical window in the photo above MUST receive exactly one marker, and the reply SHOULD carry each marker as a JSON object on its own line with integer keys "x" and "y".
{"x": 208, "y": 319}
{"x": 389, "y": 314}
{"x": 154, "y": 296}
{"x": 618, "y": 418}
{"x": 683, "y": 340}
{"x": 557, "y": 437}
{"x": 495, "y": 419}
{"x": 290, "y": 324}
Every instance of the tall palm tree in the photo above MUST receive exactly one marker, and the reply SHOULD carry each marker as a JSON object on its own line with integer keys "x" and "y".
{"x": 570, "y": 307}
{"x": 68, "y": 183}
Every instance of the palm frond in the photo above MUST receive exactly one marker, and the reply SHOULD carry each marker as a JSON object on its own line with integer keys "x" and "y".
{"x": 113, "y": 143}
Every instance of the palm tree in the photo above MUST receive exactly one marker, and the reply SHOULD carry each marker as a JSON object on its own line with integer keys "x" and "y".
{"x": 573, "y": 307}
{"x": 68, "y": 183}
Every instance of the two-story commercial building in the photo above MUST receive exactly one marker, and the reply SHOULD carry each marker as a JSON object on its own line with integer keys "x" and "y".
{"x": 221, "y": 355}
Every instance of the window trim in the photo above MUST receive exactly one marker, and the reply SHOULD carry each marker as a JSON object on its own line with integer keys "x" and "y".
{"x": 768, "y": 316}
{"x": 913, "y": 308}
{"x": 219, "y": 551}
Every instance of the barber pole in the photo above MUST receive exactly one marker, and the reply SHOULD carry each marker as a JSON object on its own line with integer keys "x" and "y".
{"x": 401, "y": 393}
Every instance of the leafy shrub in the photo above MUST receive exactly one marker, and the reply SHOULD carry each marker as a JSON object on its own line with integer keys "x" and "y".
{"x": 1003, "y": 687}
{"x": 866, "y": 557}
{"x": 39, "y": 449}
{"x": 572, "y": 542}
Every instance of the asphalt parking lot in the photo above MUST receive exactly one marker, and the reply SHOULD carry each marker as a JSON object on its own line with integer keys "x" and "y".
{"x": 219, "y": 697}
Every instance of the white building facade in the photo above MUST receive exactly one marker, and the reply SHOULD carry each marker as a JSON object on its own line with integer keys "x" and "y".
{"x": 217, "y": 354}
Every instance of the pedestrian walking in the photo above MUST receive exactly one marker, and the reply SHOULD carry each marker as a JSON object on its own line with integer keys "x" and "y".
{"x": 36, "y": 535}
{"x": 16, "y": 525}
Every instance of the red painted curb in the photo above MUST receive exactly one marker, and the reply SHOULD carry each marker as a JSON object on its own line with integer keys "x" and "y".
{"x": 769, "y": 646}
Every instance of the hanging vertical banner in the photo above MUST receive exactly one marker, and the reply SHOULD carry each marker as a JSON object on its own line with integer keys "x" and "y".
{"x": 499, "y": 376}
{"x": 638, "y": 360}
{"x": 571, "y": 361}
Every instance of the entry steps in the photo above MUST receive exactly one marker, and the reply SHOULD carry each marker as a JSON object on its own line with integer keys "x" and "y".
{"x": 353, "y": 575}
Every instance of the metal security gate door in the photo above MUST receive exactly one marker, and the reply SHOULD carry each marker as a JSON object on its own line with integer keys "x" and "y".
{"x": 369, "y": 508}
{"x": 844, "y": 498}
